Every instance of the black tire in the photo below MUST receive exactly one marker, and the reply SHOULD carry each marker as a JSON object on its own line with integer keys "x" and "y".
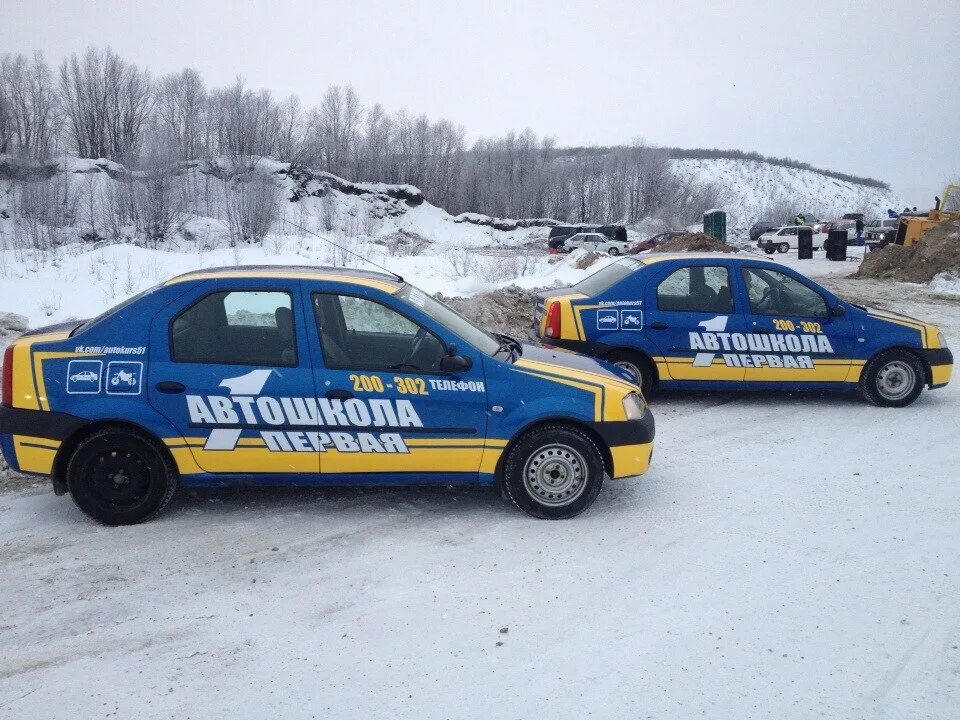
{"x": 119, "y": 476}
{"x": 783, "y": 248}
{"x": 563, "y": 452}
{"x": 894, "y": 378}
{"x": 614, "y": 252}
{"x": 638, "y": 365}
{"x": 768, "y": 250}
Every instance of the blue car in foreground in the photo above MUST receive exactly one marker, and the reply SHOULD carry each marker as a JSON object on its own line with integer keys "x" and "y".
{"x": 737, "y": 321}
{"x": 287, "y": 375}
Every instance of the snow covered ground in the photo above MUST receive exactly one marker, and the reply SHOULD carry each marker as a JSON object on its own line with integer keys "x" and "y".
{"x": 754, "y": 188}
{"x": 785, "y": 557}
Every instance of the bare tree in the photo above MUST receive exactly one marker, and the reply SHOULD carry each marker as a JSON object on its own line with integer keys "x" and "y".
{"x": 181, "y": 107}
{"x": 334, "y": 129}
{"x": 27, "y": 106}
{"x": 252, "y": 207}
{"x": 108, "y": 102}
{"x": 289, "y": 143}
{"x": 157, "y": 196}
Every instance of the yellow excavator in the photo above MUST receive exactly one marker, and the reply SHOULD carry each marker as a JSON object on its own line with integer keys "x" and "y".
{"x": 911, "y": 227}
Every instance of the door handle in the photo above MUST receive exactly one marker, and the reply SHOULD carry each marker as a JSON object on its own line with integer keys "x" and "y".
{"x": 338, "y": 395}
{"x": 658, "y": 326}
{"x": 170, "y": 386}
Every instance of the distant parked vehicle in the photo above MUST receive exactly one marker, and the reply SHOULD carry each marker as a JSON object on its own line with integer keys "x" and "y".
{"x": 760, "y": 227}
{"x": 880, "y": 233}
{"x": 597, "y": 243}
{"x": 562, "y": 232}
{"x": 651, "y": 242}
{"x": 784, "y": 239}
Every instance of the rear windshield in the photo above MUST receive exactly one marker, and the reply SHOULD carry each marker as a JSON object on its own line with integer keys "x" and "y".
{"x": 606, "y": 278}
{"x": 115, "y": 309}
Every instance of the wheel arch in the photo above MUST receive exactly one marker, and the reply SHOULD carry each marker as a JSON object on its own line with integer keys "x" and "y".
{"x": 916, "y": 352}
{"x": 605, "y": 453}
{"x": 65, "y": 451}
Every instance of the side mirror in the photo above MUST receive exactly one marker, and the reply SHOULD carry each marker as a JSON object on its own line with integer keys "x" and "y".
{"x": 455, "y": 363}
{"x": 838, "y": 311}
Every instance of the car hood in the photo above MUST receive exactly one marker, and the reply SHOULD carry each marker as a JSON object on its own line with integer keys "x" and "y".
{"x": 567, "y": 361}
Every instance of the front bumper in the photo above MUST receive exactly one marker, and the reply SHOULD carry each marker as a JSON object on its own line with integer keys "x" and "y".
{"x": 630, "y": 443}
{"x": 940, "y": 361}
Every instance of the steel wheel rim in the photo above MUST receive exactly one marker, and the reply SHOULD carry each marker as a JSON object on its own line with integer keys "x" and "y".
{"x": 896, "y": 380}
{"x": 632, "y": 369}
{"x": 555, "y": 475}
{"x": 120, "y": 479}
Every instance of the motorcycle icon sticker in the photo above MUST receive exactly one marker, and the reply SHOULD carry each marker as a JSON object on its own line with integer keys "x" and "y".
{"x": 607, "y": 320}
{"x": 83, "y": 377}
{"x": 123, "y": 377}
{"x": 631, "y": 319}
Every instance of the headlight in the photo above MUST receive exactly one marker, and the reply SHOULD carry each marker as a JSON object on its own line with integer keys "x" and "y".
{"x": 942, "y": 338}
{"x": 633, "y": 406}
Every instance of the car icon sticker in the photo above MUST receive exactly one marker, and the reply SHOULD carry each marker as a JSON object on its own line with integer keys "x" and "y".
{"x": 83, "y": 377}
{"x": 123, "y": 377}
{"x": 607, "y": 320}
{"x": 631, "y": 319}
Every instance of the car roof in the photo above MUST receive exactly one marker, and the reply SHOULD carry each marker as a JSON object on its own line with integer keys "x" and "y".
{"x": 653, "y": 258}
{"x": 351, "y": 276}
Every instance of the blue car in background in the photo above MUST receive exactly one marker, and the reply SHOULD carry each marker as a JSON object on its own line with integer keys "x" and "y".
{"x": 322, "y": 376}
{"x": 738, "y": 322}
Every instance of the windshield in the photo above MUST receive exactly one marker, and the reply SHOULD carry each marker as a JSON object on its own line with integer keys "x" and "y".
{"x": 607, "y": 277}
{"x": 450, "y": 319}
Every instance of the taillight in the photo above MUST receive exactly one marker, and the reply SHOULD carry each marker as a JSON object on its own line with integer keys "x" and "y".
{"x": 6, "y": 396}
{"x": 552, "y": 329}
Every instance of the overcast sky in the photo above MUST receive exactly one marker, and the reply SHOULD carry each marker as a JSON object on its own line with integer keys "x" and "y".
{"x": 869, "y": 88}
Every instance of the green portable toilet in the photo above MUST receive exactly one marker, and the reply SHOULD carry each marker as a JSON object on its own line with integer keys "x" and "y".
{"x": 715, "y": 223}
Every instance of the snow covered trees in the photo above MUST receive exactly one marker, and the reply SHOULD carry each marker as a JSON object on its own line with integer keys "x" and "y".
{"x": 101, "y": 106}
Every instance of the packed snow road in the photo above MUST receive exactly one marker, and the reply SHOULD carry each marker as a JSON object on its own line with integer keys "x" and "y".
{"x": 785, "y": 557}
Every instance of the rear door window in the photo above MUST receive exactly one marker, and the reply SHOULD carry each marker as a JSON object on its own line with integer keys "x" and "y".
{"x": 236, "y": 327}
{"x": 699, "y": 288}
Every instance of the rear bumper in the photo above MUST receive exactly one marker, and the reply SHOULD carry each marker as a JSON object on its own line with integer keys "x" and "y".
{"x": 941, "y": 366}
{"x": 630, "y": 443}
{"x": 30, "y": 439}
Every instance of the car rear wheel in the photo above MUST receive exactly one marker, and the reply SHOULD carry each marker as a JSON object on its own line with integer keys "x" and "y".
{"x": 638, "y": 366}
{"x": 783, "y": 247}
{"x": 894, "y": 378}
{"x": 553, "y": 472}
{"x": 119, "y": 476}
{"x": 614, "y": 251}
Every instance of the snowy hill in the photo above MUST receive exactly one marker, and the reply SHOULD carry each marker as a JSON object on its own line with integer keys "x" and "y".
{"x": 757, "y": 190}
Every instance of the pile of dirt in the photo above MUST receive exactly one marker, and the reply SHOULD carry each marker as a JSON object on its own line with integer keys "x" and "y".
{"x": 508, "y": 310}
{"x": 694, "y": 242}
{"x": 588, "y": 259}
{"x": 937, "y": 251}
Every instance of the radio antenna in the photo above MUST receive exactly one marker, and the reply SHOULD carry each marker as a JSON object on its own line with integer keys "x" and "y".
{"x": 344, "y": 249}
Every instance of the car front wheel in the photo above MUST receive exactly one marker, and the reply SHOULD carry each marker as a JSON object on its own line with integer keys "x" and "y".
{"x": 119, "y": 476}
{"x": 894, "y": 378}
{"x": 614, "y": 251}
{"x": 553, "y": 472}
